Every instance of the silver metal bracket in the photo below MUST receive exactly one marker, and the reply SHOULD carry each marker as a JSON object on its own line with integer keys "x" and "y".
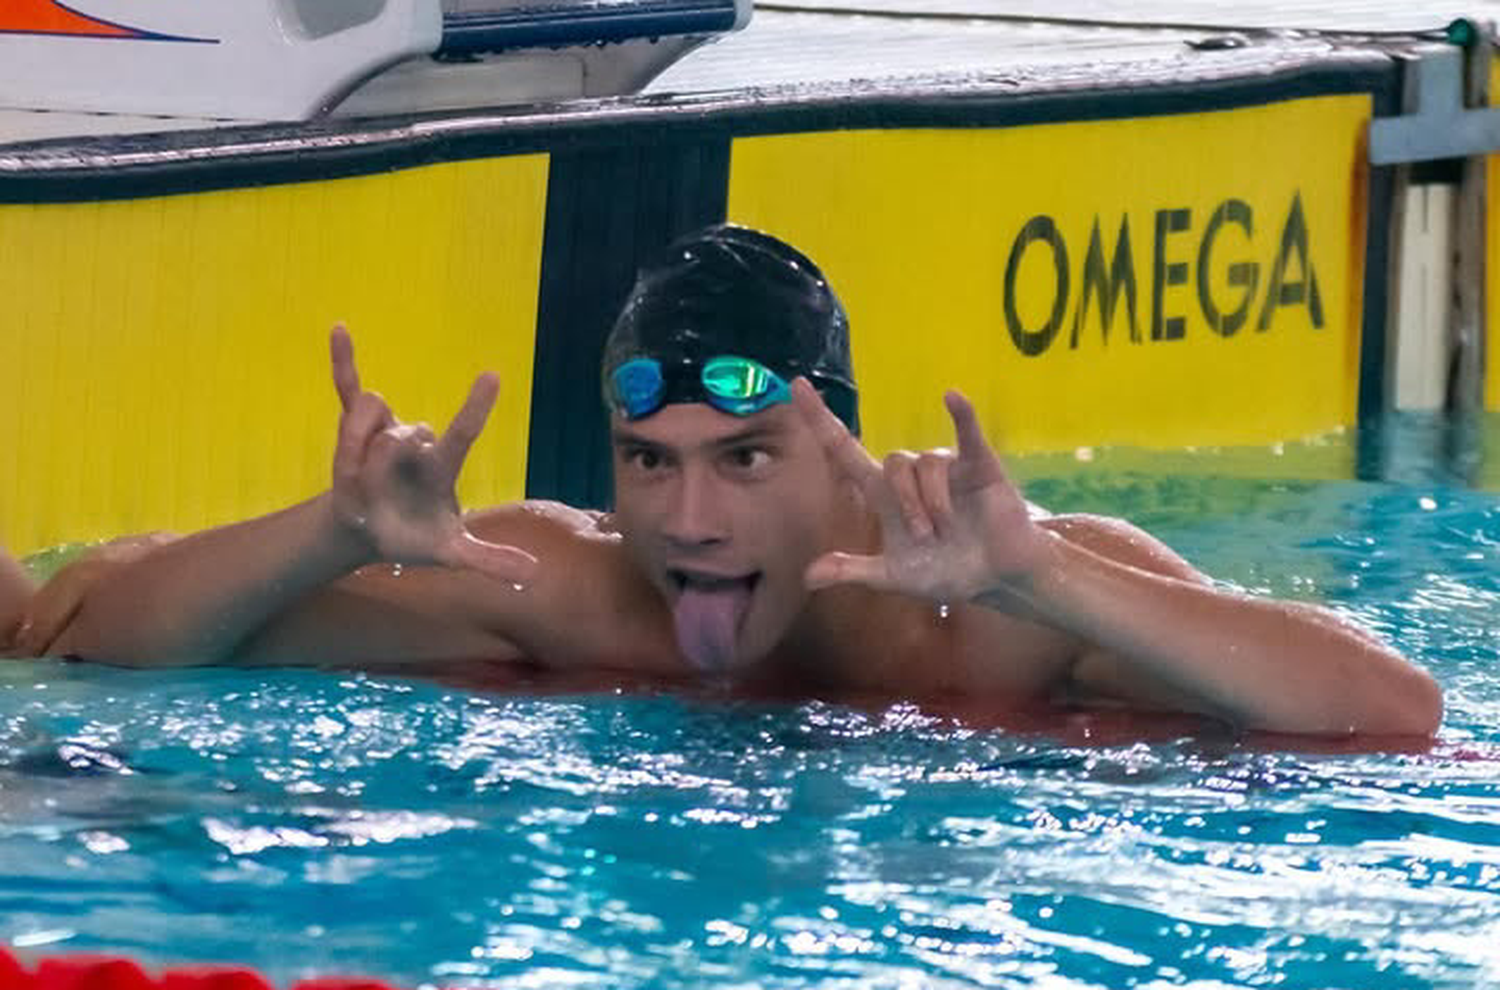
{"x": 1441, "y": 126}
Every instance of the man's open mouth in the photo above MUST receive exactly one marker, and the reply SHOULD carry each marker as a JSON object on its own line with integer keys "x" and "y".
{"x": 684, "y": 580}
{"x": 708, "y": 612}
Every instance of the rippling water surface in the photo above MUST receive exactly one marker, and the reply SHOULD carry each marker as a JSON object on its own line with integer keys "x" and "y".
{"x": 313, "y": 823}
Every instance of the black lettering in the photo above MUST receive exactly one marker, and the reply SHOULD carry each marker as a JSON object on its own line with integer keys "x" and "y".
{"x": 1283, "y": 293}
{"x": 1242, "y": 274}
{"x": 1034, "y": 342}
{"x": 1107, "y": 285}
{"x": 1163, "y": 274}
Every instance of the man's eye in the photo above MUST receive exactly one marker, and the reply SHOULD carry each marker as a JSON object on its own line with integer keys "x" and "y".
{"x": 645, "y": 460}
{"x": 749, "y": 458}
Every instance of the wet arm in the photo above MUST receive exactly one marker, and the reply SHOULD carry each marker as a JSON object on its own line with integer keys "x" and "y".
{"x": 1158, "y": 628}
{"x": 288, "y": 589}
{"x": 198, "y": 600}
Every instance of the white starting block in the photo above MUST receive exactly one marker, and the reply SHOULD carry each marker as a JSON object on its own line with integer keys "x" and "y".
{"x": 285, "y": 60}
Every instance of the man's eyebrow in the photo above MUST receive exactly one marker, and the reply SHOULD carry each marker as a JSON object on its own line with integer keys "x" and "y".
{"x": 619, "y": 434}
{"x": 751, "y": 434}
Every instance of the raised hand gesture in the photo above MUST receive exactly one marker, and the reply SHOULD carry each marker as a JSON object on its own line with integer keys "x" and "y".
{"x": 394, "y": 482}
{"x": 953, "y": 525}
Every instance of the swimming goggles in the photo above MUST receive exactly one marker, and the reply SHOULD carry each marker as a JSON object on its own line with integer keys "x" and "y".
{"x": 732, "y": 384}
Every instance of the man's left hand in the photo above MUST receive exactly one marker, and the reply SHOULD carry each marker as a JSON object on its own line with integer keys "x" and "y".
{"x": 953, "y": 525}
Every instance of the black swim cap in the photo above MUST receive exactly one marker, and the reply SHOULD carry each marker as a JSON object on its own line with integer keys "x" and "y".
{"x": 730, "y": 290}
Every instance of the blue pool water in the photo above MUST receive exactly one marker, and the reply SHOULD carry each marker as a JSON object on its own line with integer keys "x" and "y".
{"x": 311, "y": 823}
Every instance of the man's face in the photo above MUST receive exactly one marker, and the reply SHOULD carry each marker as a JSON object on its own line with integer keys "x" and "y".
{"x": 723, "y": 514}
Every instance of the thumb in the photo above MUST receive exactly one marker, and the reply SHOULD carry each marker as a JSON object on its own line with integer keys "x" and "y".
{"x": 509, "y": 564}
{"x": 847, "y": 568}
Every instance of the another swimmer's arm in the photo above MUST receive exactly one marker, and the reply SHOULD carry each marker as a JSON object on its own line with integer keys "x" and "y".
{"x": 16, "y": 589}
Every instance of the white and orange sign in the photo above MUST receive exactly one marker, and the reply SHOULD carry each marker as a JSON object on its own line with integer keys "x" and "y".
{"x": 51, "y": 17}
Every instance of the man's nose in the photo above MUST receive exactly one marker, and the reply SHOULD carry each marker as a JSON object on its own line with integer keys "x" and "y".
{"x": 696, "y": 515}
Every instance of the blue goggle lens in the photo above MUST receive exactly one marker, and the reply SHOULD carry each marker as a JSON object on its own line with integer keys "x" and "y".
{"x": 638, "y": 387}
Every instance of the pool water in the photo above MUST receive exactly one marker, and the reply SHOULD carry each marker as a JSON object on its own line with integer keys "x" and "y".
{"x": 308, "y": 823}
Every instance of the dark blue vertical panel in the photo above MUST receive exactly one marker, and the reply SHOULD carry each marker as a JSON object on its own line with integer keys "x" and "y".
{"x": 608, "y": 211}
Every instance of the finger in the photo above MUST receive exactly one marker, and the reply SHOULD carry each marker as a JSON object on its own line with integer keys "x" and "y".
{"x": 32, "y": 639}
{"x": 468, "y": 422}
{"x": 409, "y": 433}
{"x": 509, "y": 564}
{"x": 364, "y": 421}
{"x": 847, "y": 568}
{"x": 933, "y": 473}
{"x": 345, "y": 374}
{"x": 842, "y": 447}
{"x": 901, "y": 477}
{"x": 980, "y": 461}
{"x": 369, "y": 416}
{"x": 51, "y": 611}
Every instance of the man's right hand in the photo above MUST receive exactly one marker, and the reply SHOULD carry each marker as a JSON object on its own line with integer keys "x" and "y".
{"x": 393, "y": 482}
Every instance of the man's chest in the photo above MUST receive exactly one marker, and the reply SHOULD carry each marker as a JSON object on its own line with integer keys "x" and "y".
{"x": 914, "y": 649}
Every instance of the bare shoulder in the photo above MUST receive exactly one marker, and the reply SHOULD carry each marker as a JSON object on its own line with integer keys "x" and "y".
{"x": 588, "y": 605}
{"x": 1121, "y": 541}
{"x": 538, "y": 518}
{"x": 578, "y": 555}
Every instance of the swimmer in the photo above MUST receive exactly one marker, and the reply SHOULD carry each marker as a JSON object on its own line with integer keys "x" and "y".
{"x": 16, "y": 589}
{"x": 755, "y": 543}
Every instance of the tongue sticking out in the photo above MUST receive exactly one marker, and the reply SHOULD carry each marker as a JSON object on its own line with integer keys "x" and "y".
{"x": 706, "y": 620}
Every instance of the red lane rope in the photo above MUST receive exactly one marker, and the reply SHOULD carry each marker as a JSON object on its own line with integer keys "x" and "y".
{"x": 111, "y": 973}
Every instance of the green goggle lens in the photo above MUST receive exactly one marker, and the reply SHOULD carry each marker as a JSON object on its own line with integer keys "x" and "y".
{"x": 736, "y": 385}
{"x": 737, "y": 378}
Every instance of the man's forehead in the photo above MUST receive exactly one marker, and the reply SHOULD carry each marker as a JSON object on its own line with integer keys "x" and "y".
{"x": 688, "y": 423}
